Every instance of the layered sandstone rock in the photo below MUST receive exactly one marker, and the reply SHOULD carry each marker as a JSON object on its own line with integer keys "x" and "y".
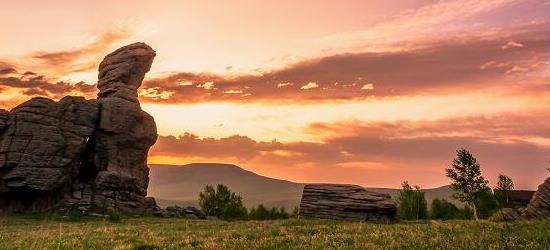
{"x": 40, "y": 150}
{"x": 539, "y": 207}
{"x": 88, "y": 154}
{"x": 346, "y": 202}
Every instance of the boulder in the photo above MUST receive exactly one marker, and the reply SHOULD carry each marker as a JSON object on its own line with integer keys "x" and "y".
{"x": 181, "y": 212}
{"x": 346, "y": 202}
{"x": 539, "y": 207}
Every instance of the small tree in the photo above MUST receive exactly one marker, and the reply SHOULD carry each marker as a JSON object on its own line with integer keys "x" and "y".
{"x": 503, "y": 191}
{"x": 412, "y": 203}
{"x": 222, "y": 203}
{"x": 466, "y": 179}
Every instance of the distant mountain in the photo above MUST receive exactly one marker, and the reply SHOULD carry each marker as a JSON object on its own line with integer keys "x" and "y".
{"x": 181, "y": 185}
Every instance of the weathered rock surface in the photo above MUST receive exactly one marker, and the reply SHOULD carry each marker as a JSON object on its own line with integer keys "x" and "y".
{"x": 40, "y": 150}
{"x": 82, "y": 153}
{"x": 539, "y": 207}
{"x": 346, "y": 202}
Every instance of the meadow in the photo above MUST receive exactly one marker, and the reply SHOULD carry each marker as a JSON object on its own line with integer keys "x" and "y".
{"x": 43, "y": 232}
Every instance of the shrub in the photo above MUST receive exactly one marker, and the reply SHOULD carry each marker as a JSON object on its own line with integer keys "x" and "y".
{"x": 486, "y": 203}
{"x": 443, "y": 210}
{"x": 262, "y": 213}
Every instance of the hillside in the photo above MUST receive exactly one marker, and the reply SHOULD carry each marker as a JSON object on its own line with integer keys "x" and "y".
{"x": 180, "y": 185}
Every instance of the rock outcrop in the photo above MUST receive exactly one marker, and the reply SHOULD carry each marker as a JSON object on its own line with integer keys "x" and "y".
{"x": 346, "y": 202}
{"x": 539, "y": 207}
{"x": 119, "y": 146}
{"x": 89, "y": 154}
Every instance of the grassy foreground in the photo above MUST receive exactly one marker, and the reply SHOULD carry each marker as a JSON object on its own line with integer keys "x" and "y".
{"x": 156, "y": 233}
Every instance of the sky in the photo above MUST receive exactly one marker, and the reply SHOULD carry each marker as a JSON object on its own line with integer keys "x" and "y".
{"x": 366, "y": 92}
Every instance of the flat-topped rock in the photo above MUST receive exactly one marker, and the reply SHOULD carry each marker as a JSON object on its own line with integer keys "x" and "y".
{"x": 346, "y": 202}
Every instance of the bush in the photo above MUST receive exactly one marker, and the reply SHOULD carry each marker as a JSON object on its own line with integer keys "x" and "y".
{"x": 443, "y": 210}
{"x": 262, "y": 213}
{"x": 465, "y": 213}
{"x": 486, "y": 203}
{"x": 222, "y": 203}
{"x": 412, "y": 203}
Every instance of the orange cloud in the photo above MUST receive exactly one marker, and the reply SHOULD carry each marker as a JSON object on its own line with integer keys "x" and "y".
{"x": 80, "y": 59}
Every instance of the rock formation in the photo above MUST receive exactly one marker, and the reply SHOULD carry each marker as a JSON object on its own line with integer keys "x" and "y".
{"x": 82, "y": 153}
{"x": 346, "y": 202}
{"x": 539, "y": 207}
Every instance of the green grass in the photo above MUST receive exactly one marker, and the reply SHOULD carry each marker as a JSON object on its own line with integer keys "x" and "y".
{"x": 156, "y": 233}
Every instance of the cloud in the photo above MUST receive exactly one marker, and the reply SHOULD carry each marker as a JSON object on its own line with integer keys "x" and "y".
{"x": 511, "y": 45}
{"x": 5, "y": 71}
{"x": 368, "y": 86}
{"x": 29, "y": 84}
{"x": 206, "y": 85}
{"x": 280, "y": 85}
{"x": 310, "y": 85}
{"x": 81, "y": 59}
{"x": 439, "y": 67}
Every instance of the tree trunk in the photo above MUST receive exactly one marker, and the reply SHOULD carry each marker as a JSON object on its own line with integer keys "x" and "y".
{"x": 475, "y": 211}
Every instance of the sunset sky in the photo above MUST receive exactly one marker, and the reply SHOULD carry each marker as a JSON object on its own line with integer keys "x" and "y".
{"x": 371, "y": 92}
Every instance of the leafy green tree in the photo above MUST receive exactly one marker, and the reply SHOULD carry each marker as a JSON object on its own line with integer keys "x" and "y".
{"x": 503, "y": 191}
{"x": 466, "y": 179}
{"x": 412, "y": 203}
{"x": 222, "y": 203}
{"x": 443, "y": 210}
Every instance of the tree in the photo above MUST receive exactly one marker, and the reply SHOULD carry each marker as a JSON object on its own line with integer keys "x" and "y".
{"x": 412, "y": 203}
{"x": 503, "y": 191}
{"x": 443, "y": 210}
{"x": 466, "y": 179}
{"x": 222, "y": 203}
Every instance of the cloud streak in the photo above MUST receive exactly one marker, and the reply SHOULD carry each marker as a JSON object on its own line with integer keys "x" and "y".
{"x": 510, "y": 143}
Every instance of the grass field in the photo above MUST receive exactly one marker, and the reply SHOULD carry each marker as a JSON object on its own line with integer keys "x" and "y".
{"x": 156, "y": 233}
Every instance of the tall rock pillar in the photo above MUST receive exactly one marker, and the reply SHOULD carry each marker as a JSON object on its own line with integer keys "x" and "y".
{"x": 118, "y": 149}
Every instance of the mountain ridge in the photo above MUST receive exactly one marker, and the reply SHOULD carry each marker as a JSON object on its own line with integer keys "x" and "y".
{"x": 181, "y": 184}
